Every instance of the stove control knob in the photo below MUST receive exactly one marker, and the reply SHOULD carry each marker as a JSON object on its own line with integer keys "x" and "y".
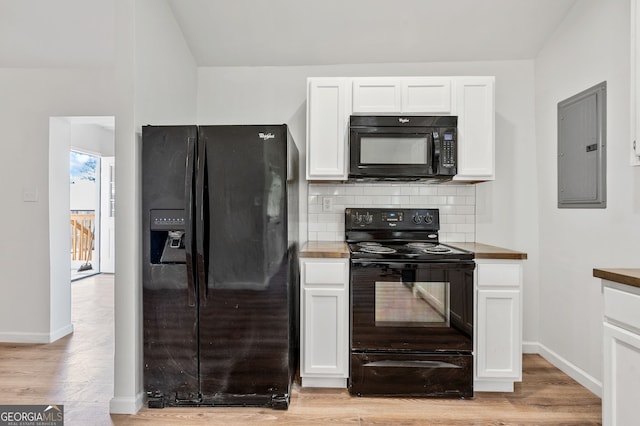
{"x": 357, "y": 218}
{"x": 428, "y": 218}
{"x": 368, "y": 218}
{"x": 417, "y": 218}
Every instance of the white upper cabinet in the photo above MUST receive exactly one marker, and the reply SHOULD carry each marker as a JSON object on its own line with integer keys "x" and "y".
{"x": 424, "y": 95}
{"x": 427, "y": 95}
{"x": 475, "y": 105}
{"x": 328, "y": 110}
{"x": 330, "y": 102}
{"x": 377, "y": 95}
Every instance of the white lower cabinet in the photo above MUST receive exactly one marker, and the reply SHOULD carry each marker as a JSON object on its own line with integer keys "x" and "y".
{"x": 498, "y": 330}
{"x": 621, "y": 332}
{"x": 324, "y": 315}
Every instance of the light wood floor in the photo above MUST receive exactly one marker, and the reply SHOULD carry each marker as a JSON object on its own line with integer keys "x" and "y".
{"x": 77, "y": 371}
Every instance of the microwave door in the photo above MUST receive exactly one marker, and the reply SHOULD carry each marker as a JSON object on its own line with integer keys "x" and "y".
{"x": 390, "y": 155}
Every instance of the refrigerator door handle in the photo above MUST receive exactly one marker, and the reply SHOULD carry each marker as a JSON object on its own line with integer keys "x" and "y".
{"x": 188, "y": 221}
{"x": 200, "y": 221}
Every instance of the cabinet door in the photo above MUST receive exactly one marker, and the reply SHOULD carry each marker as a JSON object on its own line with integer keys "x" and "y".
{"x": 476, "y": 135}
{"x": 498, "y": 334}
{"x": 377, "y": 95}
{"x": 621, "y": 384}
{"x": 635, "y": 84}
{"x": 327, "y": 128}
{"x": 324, "y": 343}
{"x": 427, "y": 95}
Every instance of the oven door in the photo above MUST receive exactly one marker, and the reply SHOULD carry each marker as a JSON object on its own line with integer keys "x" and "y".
{"x": 412, "y": 307}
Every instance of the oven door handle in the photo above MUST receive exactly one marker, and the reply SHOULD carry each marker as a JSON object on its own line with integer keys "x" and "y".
{"x": 413, "y": 264}
{"x": 411, "y": 364}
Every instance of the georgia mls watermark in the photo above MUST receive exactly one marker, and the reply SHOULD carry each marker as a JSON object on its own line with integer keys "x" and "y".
{"x": 31, "y": 415}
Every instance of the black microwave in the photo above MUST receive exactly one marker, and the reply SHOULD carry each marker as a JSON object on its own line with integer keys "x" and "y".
{"x": 384, "y": 147}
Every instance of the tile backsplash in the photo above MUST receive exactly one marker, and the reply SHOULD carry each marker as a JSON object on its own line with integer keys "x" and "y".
{"x": 327, "y": 201}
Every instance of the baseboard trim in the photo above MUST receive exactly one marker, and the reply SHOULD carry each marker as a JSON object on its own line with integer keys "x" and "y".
{"x": 324, "y": 382}
{"x": 60, "y": 333}
{"x": 531, "y": 348}
{"x": 16, "y": 337}
{"x": 126, "y": 405}
{"x": 568, "y": 368}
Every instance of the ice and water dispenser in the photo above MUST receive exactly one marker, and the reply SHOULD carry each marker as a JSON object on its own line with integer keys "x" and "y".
{"x": 167, "y": 236}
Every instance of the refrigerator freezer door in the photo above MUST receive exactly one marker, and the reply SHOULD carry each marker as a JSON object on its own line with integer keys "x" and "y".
{"x": 245, "y": 323}
{"x": 170, "y": 340}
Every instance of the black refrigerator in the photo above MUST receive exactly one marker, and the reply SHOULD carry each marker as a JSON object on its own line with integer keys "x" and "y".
{"x": 220, "y": 231}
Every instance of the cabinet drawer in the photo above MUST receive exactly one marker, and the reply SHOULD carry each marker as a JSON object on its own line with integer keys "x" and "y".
{"x": 622, "y": 307}
{"x": 325, "y": 272}
{"x": 499, "y": 274}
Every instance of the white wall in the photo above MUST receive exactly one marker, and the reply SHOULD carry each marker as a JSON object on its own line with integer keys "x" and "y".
{"x": 591, "y": 46}
{"x": 94, "y": 139}
{"x": 506, "y": 208}
{"x": 161, "y": 89}
{"x": 28, "y": 311}
{"x": 59, "y": 246}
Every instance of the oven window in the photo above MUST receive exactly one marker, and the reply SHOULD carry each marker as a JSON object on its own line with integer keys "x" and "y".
{"x": 390, "y": 150}
{"x": 412, "y": 304}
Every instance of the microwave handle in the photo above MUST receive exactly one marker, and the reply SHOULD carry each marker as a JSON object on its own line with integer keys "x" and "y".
{"x": 435, "y": 154}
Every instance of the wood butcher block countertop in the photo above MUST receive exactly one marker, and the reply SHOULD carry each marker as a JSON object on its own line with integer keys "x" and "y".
{"x": 628, "y": 276}
{"x": 325, "y": 249}
{"x": 485, "y": 251}
{"x": 339, "y": 249}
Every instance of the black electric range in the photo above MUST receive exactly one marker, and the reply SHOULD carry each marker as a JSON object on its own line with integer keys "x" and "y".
{"x": 412, "y": 308}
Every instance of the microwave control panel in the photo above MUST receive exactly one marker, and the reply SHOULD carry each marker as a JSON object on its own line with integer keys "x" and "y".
{"x": 448, "y": 154}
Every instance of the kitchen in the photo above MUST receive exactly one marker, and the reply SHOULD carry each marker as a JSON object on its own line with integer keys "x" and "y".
{"x": 517, "y": 210}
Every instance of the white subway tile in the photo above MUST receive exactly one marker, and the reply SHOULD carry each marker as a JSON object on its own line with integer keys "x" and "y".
{"x": 326, "y": 236}
{"x": 418, "y": 200}
{"x": 344, "y": 200}
{"x": 354, "y": 190}
{"x": 400, "y": 199}
{"x": 466, "y": 209}
{"x": 433, "y": 201}
{"x": 378, "y": 200}
{"x": 461, "y": 227}
{"x": 335, "y": 227}
{"x": 468, "y": 190}
{"x": 317, "y": 227}
{"x": 455, "y": 202}
{"x": 329, "y": 217}
{"x": 409, "y": 190}
{"x": 447, "y": 190}
{"x": 315, "y": 208}
{"x": 428, "y": 190}
{"x": 363, "y": 200}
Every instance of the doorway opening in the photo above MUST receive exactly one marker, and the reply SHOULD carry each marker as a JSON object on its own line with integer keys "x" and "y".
{"x": 95, "y": 137}
{"x": 82, "y": 196}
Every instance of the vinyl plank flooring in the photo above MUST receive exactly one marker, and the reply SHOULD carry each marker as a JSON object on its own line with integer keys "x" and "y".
{"x": 77, "y": 371}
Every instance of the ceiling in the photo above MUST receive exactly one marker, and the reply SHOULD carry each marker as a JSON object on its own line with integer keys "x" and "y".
{"x": 44, "y": 33}
{"x": 305, "y": 32}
